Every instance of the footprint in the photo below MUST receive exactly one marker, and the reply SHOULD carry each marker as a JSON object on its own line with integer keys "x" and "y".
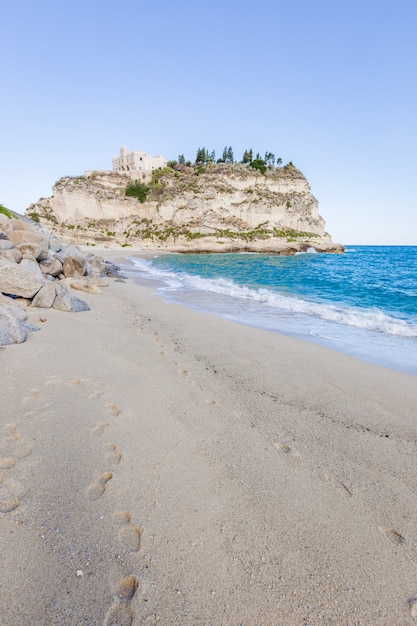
{"x": 11, "y": 493}
{"x": 24, "y": 452}
{"x": 130, "y": 537}
{"x": 129, "y": 534}
{"x": 96, "y": 394}
{"x": 99, "y": 428}
{"x": 95, "y": 490}
{"x": 113, "y": 455}
{"x": 32, "y": 397}
{"x": 121, "y": 517}
{"x": 11, "y": 433}
{"x": 8, "y": 502}
{"x": 120, "y": 613}
{"x": 113, "y": 409}
{"x": 52, "y": 381}
{"x": 7, "y": 462}
{"x": 392, "y": 535}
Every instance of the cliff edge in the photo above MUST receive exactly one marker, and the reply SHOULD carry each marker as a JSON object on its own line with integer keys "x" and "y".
{"x": 211, "y": 208}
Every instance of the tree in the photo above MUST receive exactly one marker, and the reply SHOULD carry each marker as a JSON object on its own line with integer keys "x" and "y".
{"x": 247, "y": 156}
{"x": 224, "y": 155}
{"x": 201, "y": 156}
{"x": 269, "y": 159}
{"x": 279, "y": 161}
{"x": 230, "y": 156}
{"x": 181, "y": 159}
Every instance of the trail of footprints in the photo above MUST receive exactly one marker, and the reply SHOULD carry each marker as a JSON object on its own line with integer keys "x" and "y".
{"x": 129, "y": 534}
{"x": 13, "y": 453}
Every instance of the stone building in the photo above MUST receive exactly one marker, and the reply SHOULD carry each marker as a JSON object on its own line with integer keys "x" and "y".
{"x": 137, "y": 161}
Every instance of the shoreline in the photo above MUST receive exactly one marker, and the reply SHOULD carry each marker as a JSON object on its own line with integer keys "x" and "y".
{"x": 376, "y": 355}
{"x": 178, "y": 467}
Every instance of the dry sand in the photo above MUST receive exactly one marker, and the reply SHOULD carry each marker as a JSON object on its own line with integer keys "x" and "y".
{"x": 160, "y": 465}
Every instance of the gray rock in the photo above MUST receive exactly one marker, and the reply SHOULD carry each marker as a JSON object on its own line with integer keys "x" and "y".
{"x": 51, "y": 266}
{"x": 55, "y": 245}
{"x": 21, "y": 280}
{"x": 65, "y": 301}
{"x": 5, "y": 244}
{"x": 68, "y": 251}
{"x": 3, "y": 235}
{"x": 75, "y": 266}
{"x": 12, "y": 328}
{"x": 45, "y": 297}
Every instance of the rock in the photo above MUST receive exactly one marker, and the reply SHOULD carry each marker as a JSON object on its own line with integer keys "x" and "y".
{"x": 111, "y": 270}
{"x": 29, "y": 249}
{"x": 65, "y": 301}
{"x": 21, "y": 280}
{"x": 51, "y": 266}
{"x": 12, "y": 330}
{"x": 45, "y": 297}
{"x": 68, "y": 251}
{"x": 75, "y": 266}
{"x": 5, "y": 244}
{"x": 83, "y": 284}
{"x": 3, "y": 235}
{"x": 14, "y": 255}
{"x": 55, "y": 245}
{"x": 4, "y": 221}
{"x": 26, "y": 236}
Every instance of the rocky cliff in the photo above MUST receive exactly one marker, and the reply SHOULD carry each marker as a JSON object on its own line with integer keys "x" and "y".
{"x": 216, "y": 207}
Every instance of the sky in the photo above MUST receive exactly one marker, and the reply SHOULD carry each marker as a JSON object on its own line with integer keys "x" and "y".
{"x": 330, "y": 85}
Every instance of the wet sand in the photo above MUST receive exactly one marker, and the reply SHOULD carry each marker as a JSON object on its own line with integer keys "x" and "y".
{"x": 161, "y": 465}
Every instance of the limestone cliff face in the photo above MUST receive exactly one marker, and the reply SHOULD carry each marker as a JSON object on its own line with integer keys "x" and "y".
{"x": 210, "y": 208}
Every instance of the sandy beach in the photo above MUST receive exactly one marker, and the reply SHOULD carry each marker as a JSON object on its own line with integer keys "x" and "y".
{"x": 161, "y": 465}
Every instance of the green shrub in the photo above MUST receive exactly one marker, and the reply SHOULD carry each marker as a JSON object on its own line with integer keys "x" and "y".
{"x": 137, "y": 190}
{"x": 258, "y": 164}
{"x": 6, "y": 212}
{"x": 33, "y": 216}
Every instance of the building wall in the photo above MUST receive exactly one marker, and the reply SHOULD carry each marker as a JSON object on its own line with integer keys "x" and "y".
{"x": 138, "y": 161}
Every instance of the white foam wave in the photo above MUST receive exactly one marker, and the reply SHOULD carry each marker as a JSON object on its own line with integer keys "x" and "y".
{"x": 367, "y": 319}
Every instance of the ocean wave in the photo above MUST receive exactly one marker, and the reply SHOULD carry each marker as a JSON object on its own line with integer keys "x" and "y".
{"x": 366, "y": 319}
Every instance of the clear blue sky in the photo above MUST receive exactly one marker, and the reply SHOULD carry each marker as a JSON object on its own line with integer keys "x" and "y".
{"x": 328, "y": 84}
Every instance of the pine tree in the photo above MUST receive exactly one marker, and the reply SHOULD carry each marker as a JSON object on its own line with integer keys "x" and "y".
{"x": 181, "y": 159}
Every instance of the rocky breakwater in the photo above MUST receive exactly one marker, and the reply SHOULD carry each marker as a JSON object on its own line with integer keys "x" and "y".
{"x": 40, "y": 271}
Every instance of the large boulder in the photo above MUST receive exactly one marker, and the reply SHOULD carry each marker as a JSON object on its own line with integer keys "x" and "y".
{"x": 45, "y": 297}
{"x": 68, "y": 251}
{"x": 29, "y": 249}
{"x": 51, "y": 266}
{"x": 65, "y": 301}
{"x": 24, "y": 279}
{"x": 28, "y": 236}
{"x": 12, "y": 327}
{"x": 75, "y": 266}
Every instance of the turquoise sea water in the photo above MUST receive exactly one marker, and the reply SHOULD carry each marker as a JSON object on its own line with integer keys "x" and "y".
{"x": 363, "y": 302}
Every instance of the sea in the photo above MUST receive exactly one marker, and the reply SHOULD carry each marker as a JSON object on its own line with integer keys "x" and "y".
{"x": 362, "y": 302}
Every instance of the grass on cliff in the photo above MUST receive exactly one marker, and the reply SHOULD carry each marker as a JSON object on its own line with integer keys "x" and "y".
{"x": 6, "y": 212}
